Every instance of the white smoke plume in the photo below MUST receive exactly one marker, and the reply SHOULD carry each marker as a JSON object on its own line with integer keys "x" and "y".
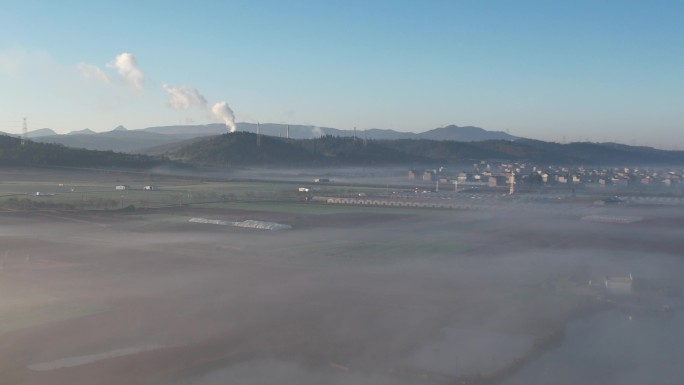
{"x": 182, "y": 98}
{"x": 126, "y": 65}
{"x": 316, "y": 132}
{"x": 92, "y": 72}
{"x": 221, "y": 110}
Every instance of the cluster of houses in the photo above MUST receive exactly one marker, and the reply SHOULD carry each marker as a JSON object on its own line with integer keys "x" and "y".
{"x": 611, "y": 176}
{"x": 505, "y": 174}
{"x": 484, "y": 174}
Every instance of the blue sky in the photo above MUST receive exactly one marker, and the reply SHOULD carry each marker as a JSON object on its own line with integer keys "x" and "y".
{"x": 596, "y": 70}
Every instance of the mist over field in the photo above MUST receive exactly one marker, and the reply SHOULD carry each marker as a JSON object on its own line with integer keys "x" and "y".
{"x": 344, "y": 193}
{"x": 525, "y": 288}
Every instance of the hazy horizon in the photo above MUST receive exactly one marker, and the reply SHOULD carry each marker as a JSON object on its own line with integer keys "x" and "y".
{"x": 577, "y": 70}
{"x": 210, "y": 254}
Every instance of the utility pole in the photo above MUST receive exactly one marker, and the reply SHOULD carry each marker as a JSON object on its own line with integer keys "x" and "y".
{"x": 258, "y": 134}
{"x": 24, "y": 133}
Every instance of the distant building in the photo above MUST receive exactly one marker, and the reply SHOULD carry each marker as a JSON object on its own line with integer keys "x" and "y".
{"x": 123, "y": 187}
{"x": 496, "y": 180}
{"x": 412, "y": 174}
{"x": 545, "y": 177}
{"x": 619, "y": 285}
{"x": 427, "y": 176}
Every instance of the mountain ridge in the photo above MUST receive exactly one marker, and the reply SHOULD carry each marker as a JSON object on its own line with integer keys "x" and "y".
{"x": 125, "y": 140}
{"x": 241, "y": 148}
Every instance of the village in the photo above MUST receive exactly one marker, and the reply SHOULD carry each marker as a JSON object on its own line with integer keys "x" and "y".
{"x": 501, "y": 174}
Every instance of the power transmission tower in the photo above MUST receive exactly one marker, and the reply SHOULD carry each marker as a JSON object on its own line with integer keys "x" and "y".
{"x": 24, "y": 133}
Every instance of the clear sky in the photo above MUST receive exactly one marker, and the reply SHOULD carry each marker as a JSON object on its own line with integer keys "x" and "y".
{"x": 596, "y": 70}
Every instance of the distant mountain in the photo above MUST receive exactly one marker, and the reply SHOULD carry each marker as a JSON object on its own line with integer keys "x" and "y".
{"x": 444, "y": 144}
{"x": 377, "y": 133}
{"x": 169, "y": 148}
{"x": 240, "y": 149}
{"x": 32, "y": 153}
{"x": 189, "y": 131}
{"x": 121, "y": 139}
{"x": 452, "y": 132}
{"x": 153, "y": 138}
{"x": 118, "y": 140}
{"x": 40, "y": 132}
{"x": 465, "y": 134}
{"x": 85, "y": 131}
{"x": 296, "y": 131}
{"x": 604, "y": 153}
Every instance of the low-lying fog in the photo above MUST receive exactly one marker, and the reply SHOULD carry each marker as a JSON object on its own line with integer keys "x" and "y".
{"x": 516, "y": 296}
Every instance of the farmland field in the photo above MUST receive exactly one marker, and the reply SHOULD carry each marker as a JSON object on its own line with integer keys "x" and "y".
{"x": 348, "y": 294}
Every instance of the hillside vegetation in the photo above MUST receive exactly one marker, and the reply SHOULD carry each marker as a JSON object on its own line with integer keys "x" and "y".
{"x": 240, "y": 148}
{"x": 13, "y": 153}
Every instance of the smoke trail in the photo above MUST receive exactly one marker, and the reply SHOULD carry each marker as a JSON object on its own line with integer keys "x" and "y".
{"x": 182, "y": 98}
{"x": 90, "y": 71}
{"x": 316, "y": 132}
{"x": 221, "y": 110}
{"x": 126, "y": 65}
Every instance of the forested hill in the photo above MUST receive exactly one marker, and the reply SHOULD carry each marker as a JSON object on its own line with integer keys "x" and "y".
{"x": 241, "y": 148}
{"x": 13, "y": 153}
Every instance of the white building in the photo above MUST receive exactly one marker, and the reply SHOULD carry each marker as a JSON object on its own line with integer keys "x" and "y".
{"x": 619, "y": 285}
